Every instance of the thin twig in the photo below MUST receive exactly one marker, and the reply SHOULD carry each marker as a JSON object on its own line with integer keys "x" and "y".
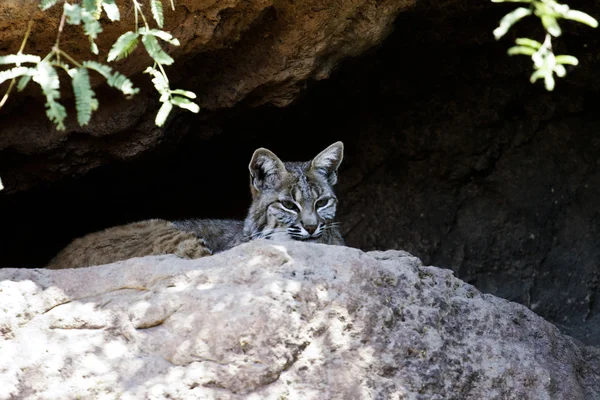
{"x": 67, "y": 56}
{"x": 56, "y": 47}
{"x": 138, "y": 7}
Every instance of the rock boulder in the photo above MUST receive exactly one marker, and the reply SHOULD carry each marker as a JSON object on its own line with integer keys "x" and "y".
{"x": 274, "y": 321}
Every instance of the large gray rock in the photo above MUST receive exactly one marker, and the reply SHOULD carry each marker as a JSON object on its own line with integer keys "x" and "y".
{"x": 278, "y": 320}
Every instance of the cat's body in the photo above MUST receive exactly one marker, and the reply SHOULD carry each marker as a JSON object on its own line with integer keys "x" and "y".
{"x": 138, "y": 239}
{"x": 293, "y": 200}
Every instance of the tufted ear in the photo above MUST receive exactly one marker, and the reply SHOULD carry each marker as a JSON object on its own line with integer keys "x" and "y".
{"x": 266, "y": 169}
{"x": 328, "y": 161}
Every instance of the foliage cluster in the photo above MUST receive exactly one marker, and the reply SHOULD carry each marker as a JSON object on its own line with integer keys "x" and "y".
{"x": 545, "y": 63}
{"x": 87, "y": 13}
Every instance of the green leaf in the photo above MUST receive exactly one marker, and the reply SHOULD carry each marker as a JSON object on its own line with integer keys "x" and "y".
{"x": 47, "y": 78}
{"x": 182, "y": 102}
{"x": 582, "y": 17}
{"x": 93, "y": 7}
{"x": 549, "y": 82}
{"x": 161, "y": 84}
{"x": 528, "y": 42}
{"x": 19, "y": 58}
{"x": 157, "y": 12}
{"x": 93, "y": 47}
{"x": 113, "y": 79}
{"x": 23, "y": 81}
{"x": 163, "y": 113}
{"x": 537, "y": 74}
{"x": 560, "y": 70}
{"x": 91, "y": 26}
{"x": 185, "y": 93}
{"x": 155, "y": 51}
{"x": 524, "y": 50}
{"x": 111, "y": 10}
{"x": 16, "y": 72}
{"x": 551, "y": 25}
{"x": 166, "y": 36}
{"x": 509, "y": 20}
{"x": 46, "y": 4}
{"x": 125, "y": 45}
{"x": 73, "y": 13}
{"x": 565, "y": 59}
{"x": 85, "y": 102}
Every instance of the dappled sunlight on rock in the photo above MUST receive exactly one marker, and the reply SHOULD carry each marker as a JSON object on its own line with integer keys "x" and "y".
{"x": 293, "y": 320}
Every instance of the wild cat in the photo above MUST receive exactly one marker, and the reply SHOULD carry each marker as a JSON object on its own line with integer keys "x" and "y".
{"x": 290, "y": 200}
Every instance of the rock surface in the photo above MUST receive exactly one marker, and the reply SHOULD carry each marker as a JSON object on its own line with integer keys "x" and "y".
{"x": 274, "y": 321}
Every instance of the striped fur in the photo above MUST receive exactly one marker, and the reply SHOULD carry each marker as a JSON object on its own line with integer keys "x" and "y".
{"x": 294, "y": 200}
{"x": 138, "y": 239}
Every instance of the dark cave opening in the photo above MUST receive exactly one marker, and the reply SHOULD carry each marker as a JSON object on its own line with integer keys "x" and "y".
{"x": 450, "y": 154}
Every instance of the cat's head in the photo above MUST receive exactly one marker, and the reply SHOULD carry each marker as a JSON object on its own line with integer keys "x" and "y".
{"x": 293, "y": 199}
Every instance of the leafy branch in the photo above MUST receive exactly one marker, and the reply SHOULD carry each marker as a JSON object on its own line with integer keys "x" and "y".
{"x": 129, "y": 41}
{"x": 87, "y": 13}
{"x": 545, "y": 63}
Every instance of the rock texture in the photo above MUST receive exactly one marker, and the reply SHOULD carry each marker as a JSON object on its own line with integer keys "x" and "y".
{"x": 278, "y": 321}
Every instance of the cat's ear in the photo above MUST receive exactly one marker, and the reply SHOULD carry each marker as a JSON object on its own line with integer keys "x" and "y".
{"x": 328, "y": 161}
{"x": 266, "y": 169}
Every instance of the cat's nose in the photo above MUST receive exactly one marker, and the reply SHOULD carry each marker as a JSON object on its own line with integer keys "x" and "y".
{"x": 310, "y": 228}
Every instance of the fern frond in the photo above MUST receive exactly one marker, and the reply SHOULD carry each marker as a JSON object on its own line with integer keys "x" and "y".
{"x": 111, "y": 10}
{"x": 47, "y": 78}
{"x": 85, "y": 101}
{"x": 155, "y": 51}
{"x": 122, "y": 83}
{"x": 19, "y": 58}
{"x": 163, "y": 113}
{"x": 46, "y": 4}
{"x": 166, "y": 36}
{"x": 157, "y": 12}
{"x": 114, "y": 79}
{"x": 16, "y": 72}
{"x": 125, "y": 45}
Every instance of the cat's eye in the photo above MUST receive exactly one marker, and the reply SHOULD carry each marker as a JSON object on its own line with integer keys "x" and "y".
{"x": 290, "y": 205}
{"x": 321, "y": 203}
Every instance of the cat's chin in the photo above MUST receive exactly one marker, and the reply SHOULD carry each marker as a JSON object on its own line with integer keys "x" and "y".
{"x": 310, "y": 239}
